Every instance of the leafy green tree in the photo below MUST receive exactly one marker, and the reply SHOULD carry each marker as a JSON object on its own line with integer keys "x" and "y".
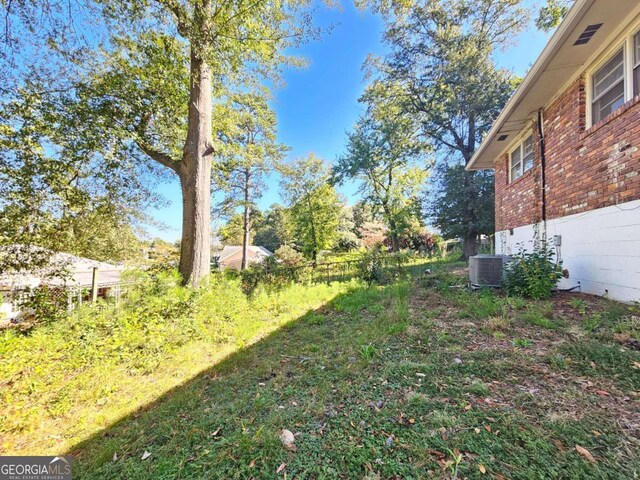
{"x": 552, "y": 13}
{"x": 271, "y": 232}
{"x": 441, "y": 66}
{"x": 59, "y": 192}
{"x": 99, "y": 234}
{"x": 450, "y": 207}
{"x": 232, "y": 232}
{"x": 248, "y": 151}
{"x": 162, "y": 254}
{"x": 289, "y": 257}
{"x": 314, "y": 205}
{"x": 384, "y": 153}
{"x": 147, "y": 92}
{"x": 346, "y": 238}
{"x": 363, "y": 213}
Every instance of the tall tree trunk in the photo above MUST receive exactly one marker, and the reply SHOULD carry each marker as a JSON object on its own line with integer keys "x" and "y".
{"x": 314, "y": 250}
{"x": 195, "y": 178}
{"x": 469, "y": 246}
{"x": 395, "y": 242}
{"x": 393, "y": 230}
{"x": 246, "y": 225}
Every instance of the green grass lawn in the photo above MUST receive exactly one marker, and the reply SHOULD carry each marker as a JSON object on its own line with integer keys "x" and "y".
{"x": 417, "y": 379}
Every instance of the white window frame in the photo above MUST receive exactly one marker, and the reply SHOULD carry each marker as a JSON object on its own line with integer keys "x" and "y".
{"x": 620, "y": 52}
{"x": 519, "y": 146}
{"x": 626, "y": 43}
{"x": 635, "y": 62}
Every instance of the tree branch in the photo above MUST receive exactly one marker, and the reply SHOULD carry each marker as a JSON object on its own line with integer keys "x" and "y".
{"x": 182, "y": 18}
{"x": 162, "y": 158}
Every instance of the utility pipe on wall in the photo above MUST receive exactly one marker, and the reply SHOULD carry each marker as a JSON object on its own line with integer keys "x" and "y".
{"x": 543, "y": 165}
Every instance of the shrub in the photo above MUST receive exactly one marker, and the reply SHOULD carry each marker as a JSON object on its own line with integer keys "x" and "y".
{"x": 372, "y": 268}
{"x": 273, "y": 273}
{"x": 417, "y": 241}
{"x": 44, "y": 304}
{"x": 533, "y": 274}
{"x": 289, "y": 257}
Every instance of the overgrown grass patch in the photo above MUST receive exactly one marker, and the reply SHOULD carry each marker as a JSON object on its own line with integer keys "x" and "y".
{"x": 378, "y": 382}
{"x": 82, "y": 373}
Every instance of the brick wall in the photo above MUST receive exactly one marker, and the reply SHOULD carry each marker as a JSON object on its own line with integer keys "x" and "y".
{"x": 519, "y": 202}
{"x": 586, "y": 169}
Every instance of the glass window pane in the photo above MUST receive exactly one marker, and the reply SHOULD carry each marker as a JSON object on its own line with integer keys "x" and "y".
{"x": 636, "y": 54}
{"x": 608, "y": 75}
{"x": 515, "y": 172}
{"x": 527, "y": 145}
{"x": 516, "y": 156}
{"x": 636, "y": 81}
{"x": 608, "y": 102}
{"x": 528, "y": 162}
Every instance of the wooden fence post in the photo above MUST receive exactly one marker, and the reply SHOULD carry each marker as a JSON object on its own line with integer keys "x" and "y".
{"x": 94, "y": 285}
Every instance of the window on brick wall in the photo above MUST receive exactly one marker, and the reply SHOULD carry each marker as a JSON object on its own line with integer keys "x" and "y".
{"x": 608, "y": 87}
{"x": 521, "y": 158}
{"x": 616, "y": 80}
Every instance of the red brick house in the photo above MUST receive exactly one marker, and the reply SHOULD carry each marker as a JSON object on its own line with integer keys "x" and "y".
{"x": 565, "y": 150}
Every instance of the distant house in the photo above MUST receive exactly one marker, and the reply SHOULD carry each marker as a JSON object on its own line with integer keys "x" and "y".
{"x": 77, "y": 278}
{"x": 231, "y": 256}
{"x": 566, "y": 151}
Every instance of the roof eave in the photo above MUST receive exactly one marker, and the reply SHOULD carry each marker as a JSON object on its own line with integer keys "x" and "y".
{"x": 553, "y": 45}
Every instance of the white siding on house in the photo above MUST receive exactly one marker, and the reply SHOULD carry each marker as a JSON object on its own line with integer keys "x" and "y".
{"x": 600, "y": 248}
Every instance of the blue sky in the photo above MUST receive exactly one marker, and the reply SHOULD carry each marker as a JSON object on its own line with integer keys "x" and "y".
{"x": 320, "y": 103}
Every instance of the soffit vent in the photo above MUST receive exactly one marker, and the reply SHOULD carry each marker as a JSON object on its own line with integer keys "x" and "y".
{"x": 588, "y": 33}
{"x": 502, "y": 138}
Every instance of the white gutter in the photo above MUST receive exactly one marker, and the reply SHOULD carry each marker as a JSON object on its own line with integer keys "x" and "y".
{"x": 574, "y": 15}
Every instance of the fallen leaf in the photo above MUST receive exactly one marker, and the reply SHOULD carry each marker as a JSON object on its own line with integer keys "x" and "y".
{"x": 115, "y": 456}
{"x": 215, "y": 433}
{"x": 288, "y": 440}
{"x": 602, "y": 393}
{"x": 145, "y": 455}
{"x": 560, "y": 445}
{"x": 252, "y": 463}
{"x": 596, "y": 433}
{"x": 477, "y": 430}
{"x": 436, "y": 453}
{"x": 281, "y": 467}
{"x": 482, "y": 468}
{"x": 487, "y": 428}
{"x": 585, "y": 453}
